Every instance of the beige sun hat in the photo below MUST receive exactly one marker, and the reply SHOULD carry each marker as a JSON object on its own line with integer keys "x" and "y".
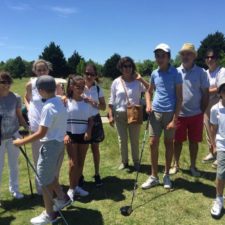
{"x": 188, "y": 47}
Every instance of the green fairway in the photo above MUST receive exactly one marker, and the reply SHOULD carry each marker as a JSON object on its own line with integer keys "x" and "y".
{"x": 189, "y": 203}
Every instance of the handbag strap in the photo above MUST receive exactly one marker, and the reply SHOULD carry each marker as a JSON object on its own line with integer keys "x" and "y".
{"x": 125, "y": 90}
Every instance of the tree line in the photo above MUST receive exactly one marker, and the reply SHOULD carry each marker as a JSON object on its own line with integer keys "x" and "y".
{"x": 75, "y": 64}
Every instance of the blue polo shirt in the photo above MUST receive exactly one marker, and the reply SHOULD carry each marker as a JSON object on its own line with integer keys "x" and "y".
{"x": 195, "y": 81}
{"x": 165, "y": 89}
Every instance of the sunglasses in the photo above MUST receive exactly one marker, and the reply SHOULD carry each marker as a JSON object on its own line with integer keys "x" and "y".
{"x": 210, "y": 57}
{"x": 5, "y": 82}
{"x": 89, "y": 74}
{"x": 127, "y": 66}
{"x": 79, "y": 87}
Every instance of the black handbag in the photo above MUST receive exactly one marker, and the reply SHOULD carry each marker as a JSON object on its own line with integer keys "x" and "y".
{"x": 98, "y": 134}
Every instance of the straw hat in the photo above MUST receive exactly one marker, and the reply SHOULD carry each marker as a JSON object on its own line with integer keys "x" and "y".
{"x": 188, "y": 47}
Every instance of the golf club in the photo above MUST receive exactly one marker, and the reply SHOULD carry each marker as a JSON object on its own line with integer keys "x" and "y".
{"x": 24, "y": 133}
{"x": 32, "y": 167}
{"x": 127, "y": 210}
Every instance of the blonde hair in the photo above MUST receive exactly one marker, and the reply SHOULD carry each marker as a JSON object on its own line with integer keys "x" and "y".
{"x": 48, "y": 64}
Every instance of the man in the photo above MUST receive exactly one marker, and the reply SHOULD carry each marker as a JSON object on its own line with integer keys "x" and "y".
{"x": 164, "y": 109}
{"x": 195, "y": 102}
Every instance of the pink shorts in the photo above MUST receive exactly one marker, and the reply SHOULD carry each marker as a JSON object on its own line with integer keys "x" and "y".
{"x": 191, "y": 127}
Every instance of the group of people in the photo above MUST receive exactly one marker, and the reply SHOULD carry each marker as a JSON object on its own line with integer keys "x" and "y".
{"x": 179, "y": 101}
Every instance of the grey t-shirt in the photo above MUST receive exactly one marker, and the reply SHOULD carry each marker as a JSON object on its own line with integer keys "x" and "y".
{"x": 8, "y": 106}
{"x": 194, "y": 83}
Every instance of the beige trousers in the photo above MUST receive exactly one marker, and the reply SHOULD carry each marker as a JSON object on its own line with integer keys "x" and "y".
{"x": 123, "y": 130}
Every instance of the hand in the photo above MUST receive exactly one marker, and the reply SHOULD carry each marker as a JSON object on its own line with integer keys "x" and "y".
{"x": 138, "y": 76}
{"x": 87, "y": 136}
{"x": 18, "y": 142}
{"x": 171, "y": 125}
{"x": 111, "y": 121}
{"x": 67, "y": 139}
{"x": 148, "y": 109}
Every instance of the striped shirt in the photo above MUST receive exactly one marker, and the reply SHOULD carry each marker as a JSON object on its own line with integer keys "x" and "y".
{"x": 78, "y": 114}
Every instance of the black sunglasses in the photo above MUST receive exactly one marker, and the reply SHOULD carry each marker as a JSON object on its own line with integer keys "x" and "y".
{"x": 127, "y": 66}
{"x": 89, "y": 74}
{"x": 210, "y": 57}
{"x": 5, "y": 82}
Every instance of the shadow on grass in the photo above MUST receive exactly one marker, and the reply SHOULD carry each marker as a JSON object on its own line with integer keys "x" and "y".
{"x": 145, "y": 169}
{"x": 81, "y": 216}
{"x": 113, "y": 188}
{"x": 6, "y": 220}
{"x": 195, "y": 187}
{"x": 27, "y": 202}
{"x": 204, "y": 174}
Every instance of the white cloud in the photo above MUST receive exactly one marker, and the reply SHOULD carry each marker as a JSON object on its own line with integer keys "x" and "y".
{"x": 64, "y": 11}
{"x": 19, "y": 6}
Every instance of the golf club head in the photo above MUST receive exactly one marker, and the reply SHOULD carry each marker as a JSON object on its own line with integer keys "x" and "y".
{"x": 126, "y": 210}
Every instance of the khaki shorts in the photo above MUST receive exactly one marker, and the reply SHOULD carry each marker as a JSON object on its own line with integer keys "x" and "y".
{"x": 220, "y": 174}
{"x": 158, "y": 123}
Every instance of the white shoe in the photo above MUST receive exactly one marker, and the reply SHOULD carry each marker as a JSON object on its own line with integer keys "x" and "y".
{"x": 70, "y": 193}
{"x": 17, "y": 195}
{"x": 60, "y": 204}
{"x": 150, "y": 182}
{"x": 166, "y": 181}
{"x": 209, "y": 158}
{"x": 217, "y": 207}
{"x": 81, "y": 192}
{"x": 43, "y": 219}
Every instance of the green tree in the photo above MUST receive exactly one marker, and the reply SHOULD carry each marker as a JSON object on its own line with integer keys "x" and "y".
{"x": 110, "y": 67}
{"x": 80, "y": 67}
{"x": 15, "y": 67}
{"x": 145, "y": 68}
{"x": 73, "y": 62}
{"x": 2, "y": 66}
{"x": 28, "y": 68}
{"x": 176, "y": 62}
{"x": 54, "y": 54}
{"x": 215, "y": 41}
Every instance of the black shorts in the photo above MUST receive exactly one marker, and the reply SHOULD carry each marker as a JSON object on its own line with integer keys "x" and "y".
{"x": 77, "y": 138}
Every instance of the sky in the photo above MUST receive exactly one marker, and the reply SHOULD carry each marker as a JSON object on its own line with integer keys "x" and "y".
{"x": 97, "y": 29}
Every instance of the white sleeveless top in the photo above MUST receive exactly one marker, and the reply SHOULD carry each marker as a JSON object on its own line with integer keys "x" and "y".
{"x": 36, "y": 105}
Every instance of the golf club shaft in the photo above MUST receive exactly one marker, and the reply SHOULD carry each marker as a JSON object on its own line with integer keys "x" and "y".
{"x": 31, "y": 165}
{"x": 142, "y": 150}
{"x": 28, "y": 170}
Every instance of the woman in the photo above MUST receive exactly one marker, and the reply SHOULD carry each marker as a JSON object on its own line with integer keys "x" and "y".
{"x": 94, "y": 96}
{"x": 10, "y": 120}
{"x": 214, "y": 70}
{"x": 132, "y": 85}
{"x": 34, "y": 104}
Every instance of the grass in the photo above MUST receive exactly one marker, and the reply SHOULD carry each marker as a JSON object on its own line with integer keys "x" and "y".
{"x": 189, "y": 202}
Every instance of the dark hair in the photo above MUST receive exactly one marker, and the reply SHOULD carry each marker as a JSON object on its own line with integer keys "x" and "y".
{"x": 124, "y": 60}
{"x": 5, "y": 76}
{"x": 72, "y": 79}
{"x": 216, "y": 53}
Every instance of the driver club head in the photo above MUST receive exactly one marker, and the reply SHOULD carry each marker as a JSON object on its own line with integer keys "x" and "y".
{"x": 126, "y": 210}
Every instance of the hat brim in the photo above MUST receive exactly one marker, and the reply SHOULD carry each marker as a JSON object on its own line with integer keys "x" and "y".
{"x": 188, "y": 50}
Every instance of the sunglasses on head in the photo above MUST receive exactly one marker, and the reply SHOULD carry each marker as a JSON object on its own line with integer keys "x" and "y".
{"x": 5, "y": 82}
{"x": 89, "y": 74}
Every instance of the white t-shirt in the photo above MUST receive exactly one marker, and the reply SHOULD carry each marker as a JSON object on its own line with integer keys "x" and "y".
{"x": 78, "y": 114}
{"x": 220, "y": 75}
{"x": 118, "y": 96}
{"x": 217, "y": 117}
{"x": 92, "y": 92}
{"x": 54, "y": 116}
{"x": 36, "y": 105}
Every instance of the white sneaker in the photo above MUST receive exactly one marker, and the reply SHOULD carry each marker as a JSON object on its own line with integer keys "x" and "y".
{"x": 17, "y": 195}
{"x": 60, "y": 204}
{"x": 217, "y": 207}
{"x": 166, "y": 181}
{"x": 209, "y": 158}
{"x": 150, "y": 182}
{"x": 81, "y": 192}
{"x": 70, "y": 193}
{"x": 43, "y": 219}
{"x": 195, "y": 172}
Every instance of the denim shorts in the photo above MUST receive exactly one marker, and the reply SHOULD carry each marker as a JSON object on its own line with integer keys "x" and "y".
{"x": 49, "y": 157}
{"x": 220, "y": 174}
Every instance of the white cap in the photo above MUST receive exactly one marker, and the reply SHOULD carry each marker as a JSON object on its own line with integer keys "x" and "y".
{"x": 163, "y": 46}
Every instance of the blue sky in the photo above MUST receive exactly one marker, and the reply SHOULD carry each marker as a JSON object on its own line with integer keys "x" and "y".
{"x": 99, "y": 28}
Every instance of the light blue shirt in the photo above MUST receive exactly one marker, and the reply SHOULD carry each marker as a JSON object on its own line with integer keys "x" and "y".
{"x": 165, "y": 89}
{"x": 195, "y": 81}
